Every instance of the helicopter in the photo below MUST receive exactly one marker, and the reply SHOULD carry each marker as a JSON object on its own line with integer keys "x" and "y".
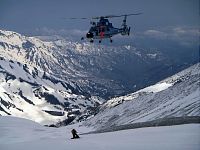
{"x": 103, "y": 29}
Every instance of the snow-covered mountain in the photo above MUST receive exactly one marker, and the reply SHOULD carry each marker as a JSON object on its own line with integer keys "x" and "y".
{"x": 50, "y": 81}
{"x": 104, "y": 71}
{"x": 176, "y": 96}
{"x": 29, "y": 87}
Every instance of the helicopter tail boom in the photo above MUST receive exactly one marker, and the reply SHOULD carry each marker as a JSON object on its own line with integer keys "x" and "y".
{"x": 125, "y": 30}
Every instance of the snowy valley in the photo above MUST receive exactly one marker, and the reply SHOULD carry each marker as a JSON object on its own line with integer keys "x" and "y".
{"x": 100, "y": 70}
{"x": 58, "y": 80}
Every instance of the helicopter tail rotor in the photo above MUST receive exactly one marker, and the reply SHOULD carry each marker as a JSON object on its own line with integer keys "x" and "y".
{"x": 124, "y": 22}
{"x": 129, "y": 29}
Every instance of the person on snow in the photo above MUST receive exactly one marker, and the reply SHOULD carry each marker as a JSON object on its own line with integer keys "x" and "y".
{"x": 74, "y": 134}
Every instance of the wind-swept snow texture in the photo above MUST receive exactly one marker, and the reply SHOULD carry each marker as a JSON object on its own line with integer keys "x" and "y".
{"x": 20, "y": 134}
{"x": 176, "y": 96}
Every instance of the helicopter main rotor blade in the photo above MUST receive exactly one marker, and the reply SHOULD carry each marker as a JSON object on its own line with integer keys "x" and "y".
{"x": 98, "y": 17}
{"x": 113, "y": 16}
{"x": 108, "y": 16}
{"x": 79, "y": 18}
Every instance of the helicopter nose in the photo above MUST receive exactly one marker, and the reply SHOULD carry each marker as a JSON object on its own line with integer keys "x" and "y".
{"x": 89, "y": 35}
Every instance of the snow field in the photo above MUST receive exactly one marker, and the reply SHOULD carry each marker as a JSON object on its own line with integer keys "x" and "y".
{"x": 21, "y": 134}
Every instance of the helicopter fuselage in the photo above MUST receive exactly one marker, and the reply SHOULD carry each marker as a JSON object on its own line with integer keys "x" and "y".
{"x": 104, "y": 29}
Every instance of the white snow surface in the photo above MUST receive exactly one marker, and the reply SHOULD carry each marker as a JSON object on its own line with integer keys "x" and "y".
{"x": 157, "y": 87}
{"x": 21, "y": 134}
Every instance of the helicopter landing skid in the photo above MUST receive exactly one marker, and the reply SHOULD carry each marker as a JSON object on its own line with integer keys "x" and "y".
{"x": 92, "y": 40}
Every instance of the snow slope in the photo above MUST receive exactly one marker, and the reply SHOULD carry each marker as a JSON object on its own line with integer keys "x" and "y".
{"x": 175, "y": 96}
{"x": 20, "y": 134}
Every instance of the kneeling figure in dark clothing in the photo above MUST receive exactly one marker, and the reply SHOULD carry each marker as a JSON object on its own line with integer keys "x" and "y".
{"x": 74, "y": 134}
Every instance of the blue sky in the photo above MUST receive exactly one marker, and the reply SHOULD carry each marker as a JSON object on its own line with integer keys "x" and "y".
{"x": 176, "y": 20}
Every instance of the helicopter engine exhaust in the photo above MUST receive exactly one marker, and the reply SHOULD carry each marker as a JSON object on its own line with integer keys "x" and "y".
{"x": 89, "y": 35}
